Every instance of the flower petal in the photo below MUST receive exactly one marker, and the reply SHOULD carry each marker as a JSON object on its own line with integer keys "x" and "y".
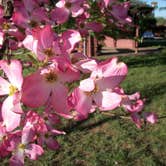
{"x": 4, "y": 86}
{"x": 59, "y": 100}
{"x": 87, "y": 85}
{"x": 10, "y": 119}
{"x": 35, "y": 90}
{"x": 106, "y": 100}
{"x": 33, "y": 151}
{"x": 13, "y": 72}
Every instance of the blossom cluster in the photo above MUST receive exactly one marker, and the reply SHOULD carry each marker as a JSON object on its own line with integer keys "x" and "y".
{"x": 64, "y": 83}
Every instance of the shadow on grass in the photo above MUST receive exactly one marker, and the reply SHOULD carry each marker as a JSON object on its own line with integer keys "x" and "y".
{"x": 86, "y": 125}
{"x": 149, "y": 152}
{"x": 150, "y": 92}
{"x": 149, "y": 60}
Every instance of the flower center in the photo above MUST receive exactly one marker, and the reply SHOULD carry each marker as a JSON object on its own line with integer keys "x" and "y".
{"x": 49, "y": 52}
{"x": 2, "y": 138}
{"x": 12, "y": 90}
{"x": 21, "y": 146}
{"x": 68, "y": 5}
{"x": 94, "y": 91}
{"x": 33, "y": 23}
{"x": 82, "y": 25}
{"x": 6, "y": 26}
{"x": 51, "y": 77}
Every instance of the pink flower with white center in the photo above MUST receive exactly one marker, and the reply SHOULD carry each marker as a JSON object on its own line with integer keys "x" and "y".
{"x": 46, "y": 44}
{"x": 29, "y": 14}
{"x": 39, "y": 130}
{"x": 43, "y": 43}
{"x": 48, "y": 84}
{"x": 98, "y": 90}
{"x": 63, "y": 9}
{"x": 11, "y": 107}
{"x": 25, "y": 147}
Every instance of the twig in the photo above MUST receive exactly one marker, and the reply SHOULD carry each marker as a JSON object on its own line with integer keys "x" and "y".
{"x": 114, "y": 115}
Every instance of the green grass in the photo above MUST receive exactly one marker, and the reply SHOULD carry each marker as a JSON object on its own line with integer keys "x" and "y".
{"x": 107, "y": 141}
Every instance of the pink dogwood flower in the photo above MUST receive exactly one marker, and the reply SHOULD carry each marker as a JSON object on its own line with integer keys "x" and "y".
{"x": 29, "y": 14}
{"x": 46, "y": 44}
{"x": 99, "y": 89}
{"x": 40, "y": 131}
{"x": 42, "y": 42}
{"x": 11, "y": 107}
{"x": 24, "y": 146}
{"x": 48, "y": 84}
{"x": 63, "y": 9}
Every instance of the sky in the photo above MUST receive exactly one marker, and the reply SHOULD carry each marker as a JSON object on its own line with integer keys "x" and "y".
{"x": 157, "y": 12}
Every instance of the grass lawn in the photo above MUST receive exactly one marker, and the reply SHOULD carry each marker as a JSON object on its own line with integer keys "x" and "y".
{"x": 103, "y": 140}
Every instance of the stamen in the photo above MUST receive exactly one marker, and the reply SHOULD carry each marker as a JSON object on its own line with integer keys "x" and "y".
{"x": 51, "y": 77}
{"x": 94, "y": 91}
{"x": 12, "y": 90}
{"x": 49, "y": 52}
{"x": 21, "y": 146}
{"x": 68, "y": 5}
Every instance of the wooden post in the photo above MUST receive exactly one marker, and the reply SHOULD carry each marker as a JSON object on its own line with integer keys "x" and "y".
{"x": 88, "y": 46}
{"x": 136, "y": 41}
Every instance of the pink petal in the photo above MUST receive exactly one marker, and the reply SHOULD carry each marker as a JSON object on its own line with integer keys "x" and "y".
{"x": 4, "y": 86}
{"x": 10, "y": 119}
{"x": 1, "y": 38}
{"x": 150, "y": 117}
{"x": 13, "y": 72}
{"x": 95, "y": 26}
{"x": 87, "y": 85}
{"x": 106, "y": 2}
{"x": 30, "y": 5}
{"x": 46, "y": 37}
{"x": 107, "y": 100}
{"x": 76, "y": 10}
{"x": 86, "y": 65}
{"x": 33, "y": 151}
{"x": 70, "y": 39}
{"x": 18, "y": 158}
{"x": 134, "y": 96}
{"x": 20, "y": 18}
{"x": 60, "y": 3}
{"x": 136, "y": 119}
{"x": 110, "y": 74}
{"x": 82, "y": 103}
{"x": 28, "y": 133}
{"x": 59, "y": 100}
{"x": 30, "y": 43}
{"x": 35, "y": 90}
{"x": 52, "y": 143}
{"x": 60, "y": 15}
{"x": 65, "y": 71}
